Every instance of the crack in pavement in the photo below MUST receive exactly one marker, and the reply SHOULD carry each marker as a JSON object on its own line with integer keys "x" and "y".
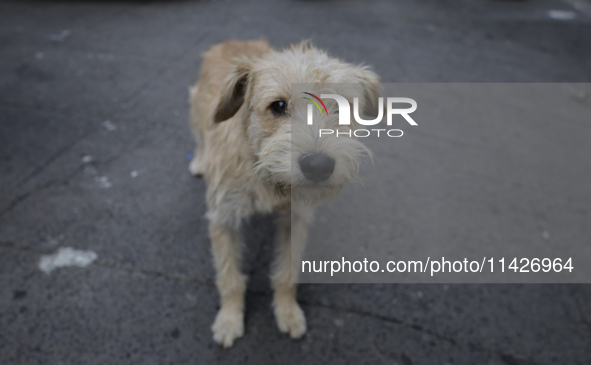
{"x": 47, "y": 163}
{"x": 508, "y": 358}
{"x": 29, "y": 108}
{"x": 19, "y": 199}
{"x": 149, "y": 272}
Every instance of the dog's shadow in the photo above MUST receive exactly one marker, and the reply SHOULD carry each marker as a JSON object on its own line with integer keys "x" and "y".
{"x": 258, "y": 238}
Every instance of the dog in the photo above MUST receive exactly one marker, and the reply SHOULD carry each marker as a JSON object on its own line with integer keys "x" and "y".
{"x": 258, "y": 154}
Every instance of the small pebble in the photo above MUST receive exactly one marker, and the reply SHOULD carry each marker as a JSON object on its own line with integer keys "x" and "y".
{"x": 109, "y": 125}
{"x": 103, "y": 182}
{"x": 61, "y": 36}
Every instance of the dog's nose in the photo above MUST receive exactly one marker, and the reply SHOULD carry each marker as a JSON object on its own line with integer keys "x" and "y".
{"x": 317, "y": 167}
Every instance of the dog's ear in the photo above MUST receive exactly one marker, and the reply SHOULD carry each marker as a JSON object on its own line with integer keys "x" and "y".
{"x": 232, "y": 92}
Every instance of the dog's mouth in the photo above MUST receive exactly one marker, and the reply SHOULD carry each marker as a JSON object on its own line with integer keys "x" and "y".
{"x": 284, "y": 189}
{"x": 313, "y": 185}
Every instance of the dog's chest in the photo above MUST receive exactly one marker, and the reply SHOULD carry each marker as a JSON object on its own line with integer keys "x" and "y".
{"x": 266, "y": 199}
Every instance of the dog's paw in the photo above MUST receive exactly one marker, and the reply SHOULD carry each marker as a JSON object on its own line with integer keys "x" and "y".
{"x": 291, "y": 319}
{"x": 227, "y": 327}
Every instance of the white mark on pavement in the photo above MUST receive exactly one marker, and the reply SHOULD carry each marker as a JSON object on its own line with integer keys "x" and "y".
{"x": 109, "y": 125}
{"x": 134, "y": 173}
{"x": 562, "y": 14}
{"x": 103, "y": 182}
{"x": 66, "y": 256}
{"x": 86, "y": 158}
{"x": 61, "y": 36}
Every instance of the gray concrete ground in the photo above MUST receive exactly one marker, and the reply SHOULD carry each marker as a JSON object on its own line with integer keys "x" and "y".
{"x": 93, "y": 155}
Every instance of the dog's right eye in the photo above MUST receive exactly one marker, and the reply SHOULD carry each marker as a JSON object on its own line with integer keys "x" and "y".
{"x": 279, "y": 107}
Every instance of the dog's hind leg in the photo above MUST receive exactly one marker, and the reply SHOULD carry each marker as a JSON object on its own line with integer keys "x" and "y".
{"x": 231, "y": 284}
{"x": 291, "y": 241}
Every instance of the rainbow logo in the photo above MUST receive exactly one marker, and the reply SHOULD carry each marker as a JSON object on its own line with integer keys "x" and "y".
{"x": 315, "y": 103}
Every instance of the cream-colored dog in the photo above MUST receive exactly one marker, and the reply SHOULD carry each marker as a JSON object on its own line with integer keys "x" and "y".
{"x": 258, "y": 154}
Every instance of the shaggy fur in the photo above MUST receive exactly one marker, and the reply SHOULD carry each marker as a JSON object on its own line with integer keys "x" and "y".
{"x": 249, "y": 158}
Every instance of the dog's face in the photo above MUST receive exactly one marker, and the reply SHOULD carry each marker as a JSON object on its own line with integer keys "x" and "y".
{"x": 290, "y": 154}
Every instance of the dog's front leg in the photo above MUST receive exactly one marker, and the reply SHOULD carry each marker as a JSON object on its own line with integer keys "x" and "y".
{"x": 291, "y": 243}
{"x": 231, "y": 284}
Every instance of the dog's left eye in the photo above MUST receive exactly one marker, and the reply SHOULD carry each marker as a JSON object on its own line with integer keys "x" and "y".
{"x": 279, "y": 107}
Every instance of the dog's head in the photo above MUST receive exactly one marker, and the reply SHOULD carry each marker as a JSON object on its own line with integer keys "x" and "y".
{"x": 290, "y": 154}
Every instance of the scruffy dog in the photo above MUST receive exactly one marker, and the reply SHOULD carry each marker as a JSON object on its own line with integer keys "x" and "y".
{"x": 257, "y": 154}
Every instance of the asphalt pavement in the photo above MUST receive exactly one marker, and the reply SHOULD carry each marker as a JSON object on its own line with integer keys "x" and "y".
{"x": 94, "y": 148}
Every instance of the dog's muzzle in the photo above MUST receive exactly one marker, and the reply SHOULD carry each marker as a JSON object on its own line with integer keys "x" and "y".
{"x": 317, "y": 168}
